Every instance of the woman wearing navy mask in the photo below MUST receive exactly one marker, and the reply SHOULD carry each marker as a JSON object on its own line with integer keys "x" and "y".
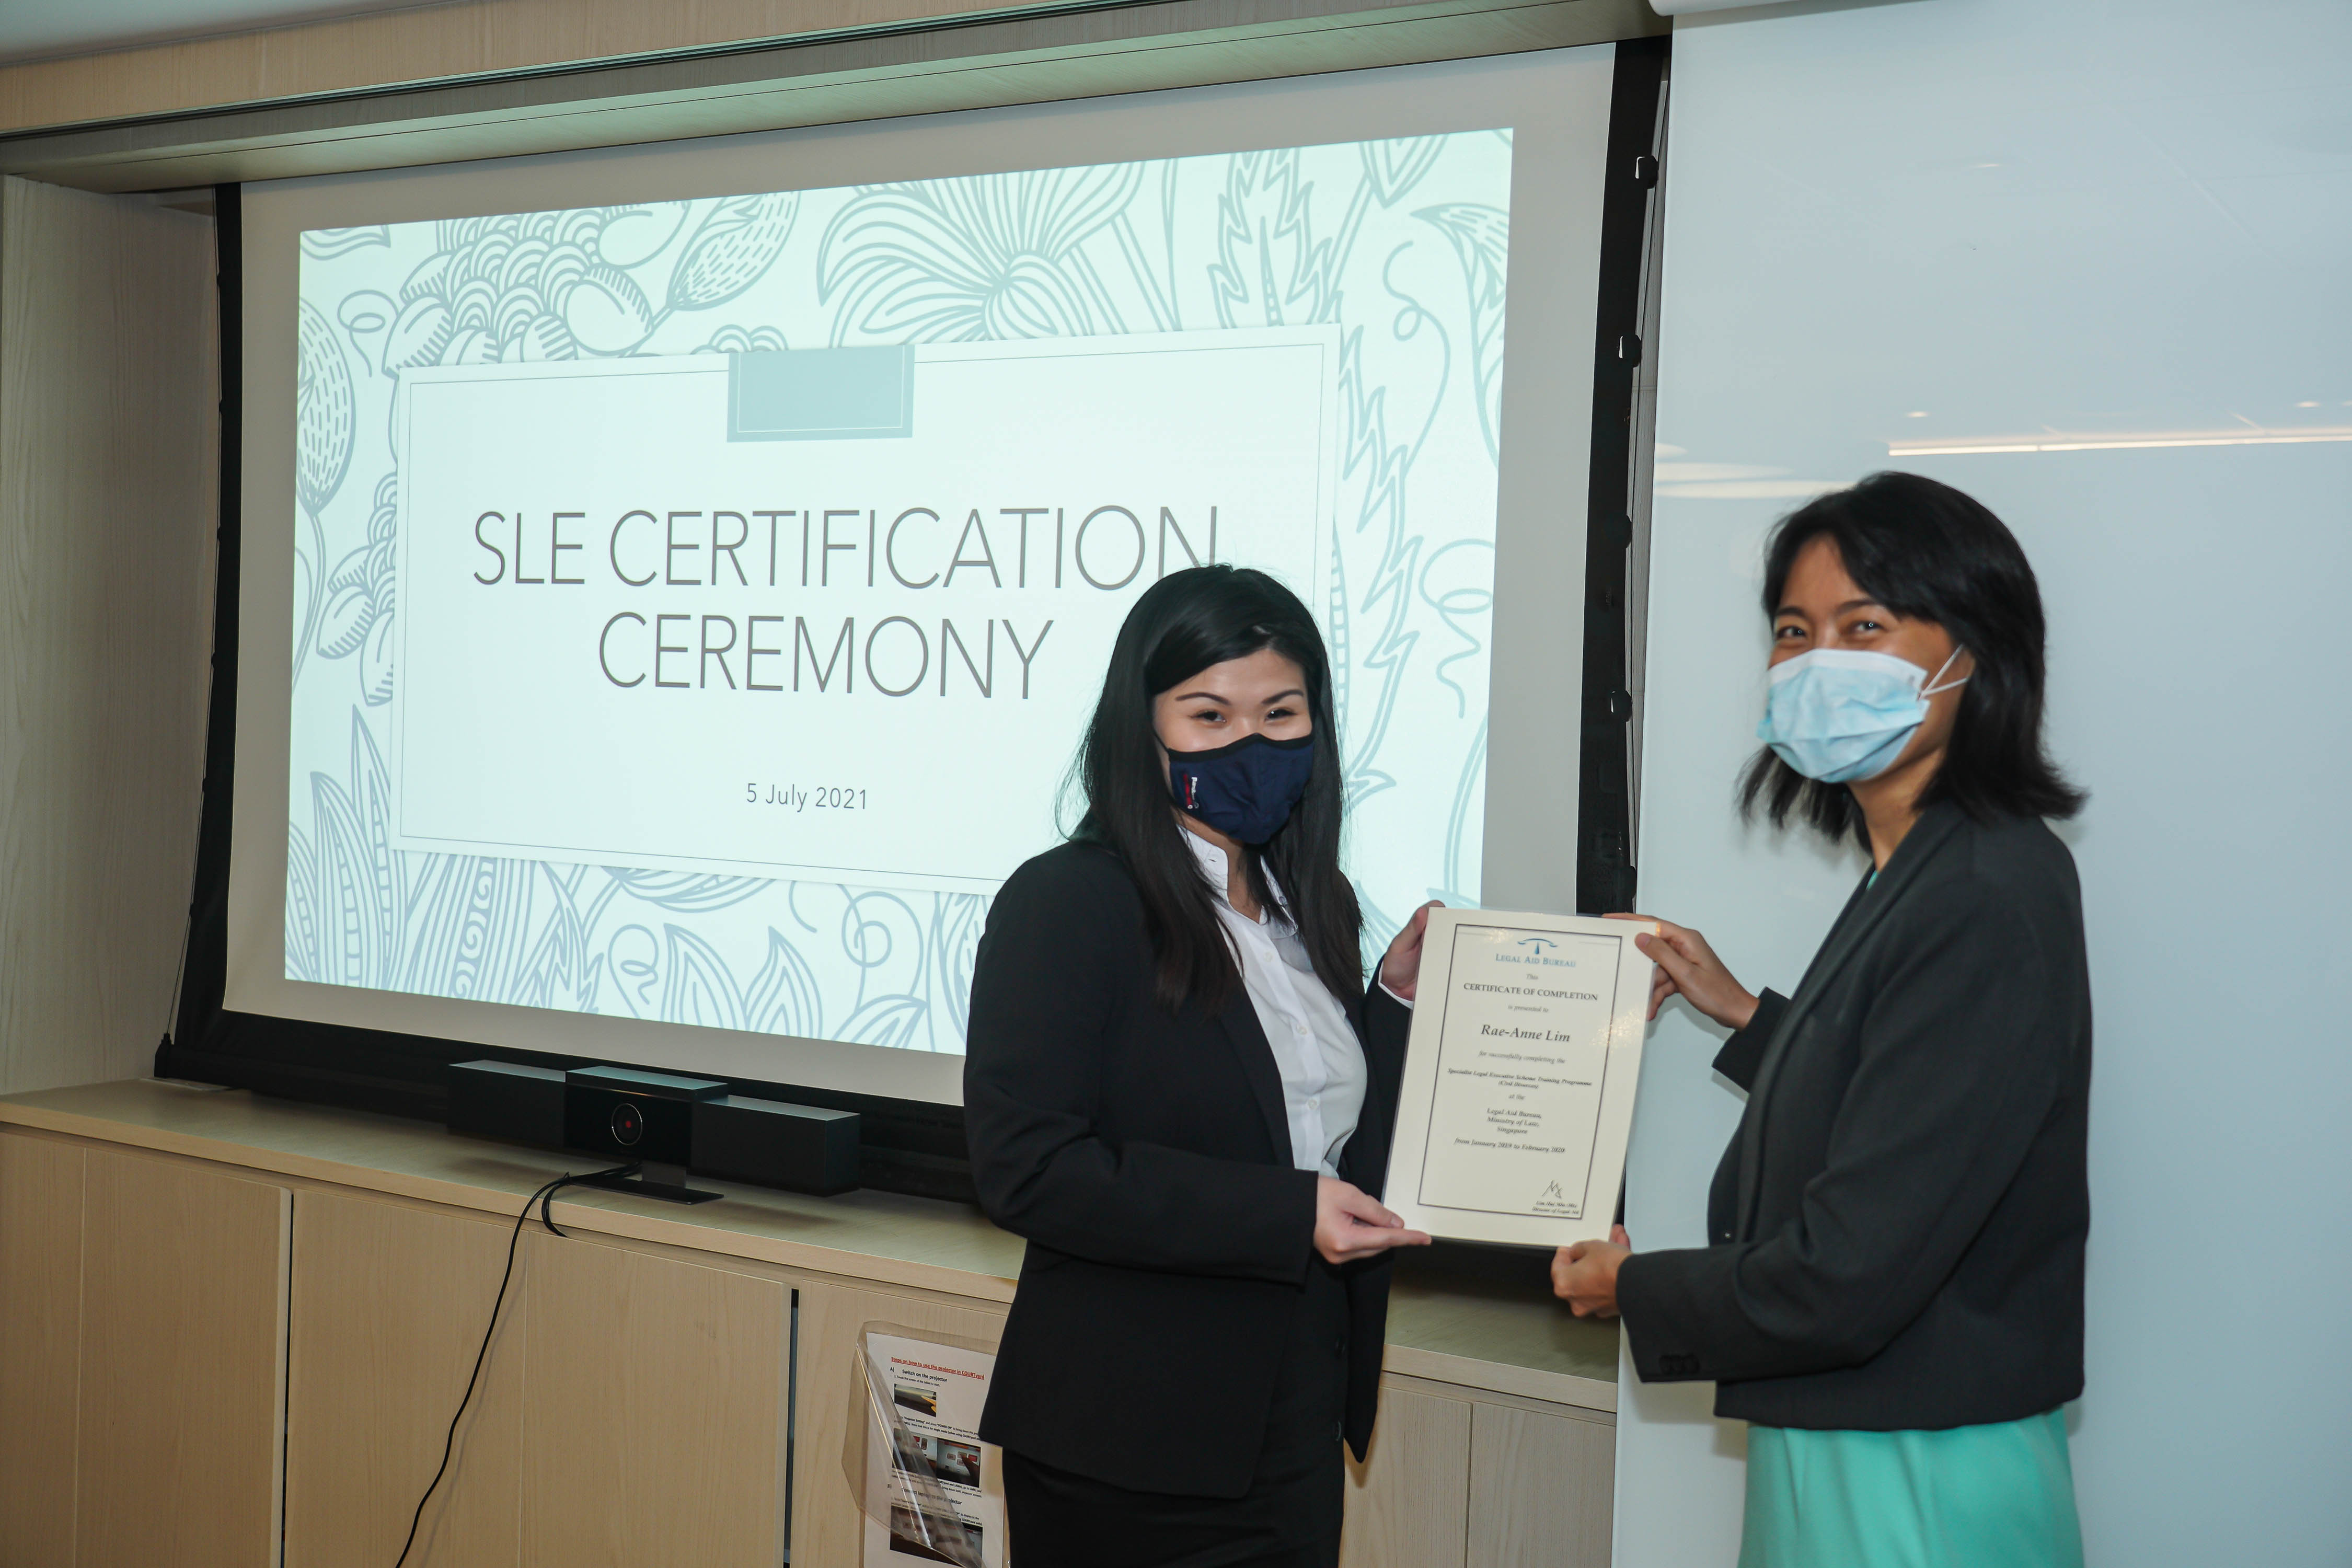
{"x": 1179, "y": 1090}
{"x": 1893, "y": 1295}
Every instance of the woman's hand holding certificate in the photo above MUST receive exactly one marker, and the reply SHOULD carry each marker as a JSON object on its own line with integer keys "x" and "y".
{"x": 1401, "y": 966}
{"x": 1687, "y": 967}
{"x": 1350, "y": 1225}
{"x": 1584, "y": 1274}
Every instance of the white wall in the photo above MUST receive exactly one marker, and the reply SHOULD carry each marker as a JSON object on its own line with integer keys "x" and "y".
{"x": 2013, "y": 216}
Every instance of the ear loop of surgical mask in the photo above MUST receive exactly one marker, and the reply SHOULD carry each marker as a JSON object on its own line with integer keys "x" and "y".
{"x": 1931, "y": 688}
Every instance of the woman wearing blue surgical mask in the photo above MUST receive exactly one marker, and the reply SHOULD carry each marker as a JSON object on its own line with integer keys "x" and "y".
{"x": 1179, "y": 1089}
{"x": 1892, "y": 1295}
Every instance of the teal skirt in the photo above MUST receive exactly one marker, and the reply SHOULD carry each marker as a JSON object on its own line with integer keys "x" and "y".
{"x": 1972, "y": 1496}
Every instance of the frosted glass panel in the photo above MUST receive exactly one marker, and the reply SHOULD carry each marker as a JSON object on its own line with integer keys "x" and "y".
{"x": 2088, "y": 263}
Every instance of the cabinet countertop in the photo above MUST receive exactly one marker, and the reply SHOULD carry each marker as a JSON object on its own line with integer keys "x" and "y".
{"x": 1480, "y": 1333}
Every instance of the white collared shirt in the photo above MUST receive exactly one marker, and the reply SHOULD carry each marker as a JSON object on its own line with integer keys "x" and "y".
{"x": 1314, "y": 1046}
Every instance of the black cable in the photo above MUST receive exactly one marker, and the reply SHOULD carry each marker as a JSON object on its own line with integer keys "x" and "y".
{"x": 544, "y": 1197}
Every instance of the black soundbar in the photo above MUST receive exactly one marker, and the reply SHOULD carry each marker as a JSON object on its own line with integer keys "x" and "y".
{"x": 668, "y": 1122}
{"x": 507, "y": 1101}
{"x": 799, "y": 1148}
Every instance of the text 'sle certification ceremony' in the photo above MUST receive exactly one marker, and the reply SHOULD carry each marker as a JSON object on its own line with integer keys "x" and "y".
{"x": 1519, "y": 1082}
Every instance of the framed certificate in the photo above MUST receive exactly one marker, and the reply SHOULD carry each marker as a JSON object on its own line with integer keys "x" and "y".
{"x": 1519, "y": 1076}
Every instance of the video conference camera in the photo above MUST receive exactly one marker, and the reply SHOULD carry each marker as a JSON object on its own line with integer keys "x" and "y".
{"x": 665, "y": 1124}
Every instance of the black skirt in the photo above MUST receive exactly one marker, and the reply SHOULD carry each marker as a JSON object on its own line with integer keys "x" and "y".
{"x": 1289, "y": 1517}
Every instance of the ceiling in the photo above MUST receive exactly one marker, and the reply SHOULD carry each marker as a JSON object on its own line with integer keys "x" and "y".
{"x": 36, "y": 29}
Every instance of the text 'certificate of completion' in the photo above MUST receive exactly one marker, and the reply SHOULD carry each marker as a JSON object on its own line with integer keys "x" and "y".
{"x": 1519, "y": 1082}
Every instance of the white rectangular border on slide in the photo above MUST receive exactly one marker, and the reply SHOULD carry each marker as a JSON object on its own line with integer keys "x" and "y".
{"x": 1320, "y": 342}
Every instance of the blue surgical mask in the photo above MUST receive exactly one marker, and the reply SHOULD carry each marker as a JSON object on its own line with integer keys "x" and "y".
{"x": 1245, "y": 790}
{"x": 1842, "y": 714}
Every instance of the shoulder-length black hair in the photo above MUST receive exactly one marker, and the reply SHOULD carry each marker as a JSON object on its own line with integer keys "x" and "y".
{"x": 1928, "y": 551}
{"x": 1184, "y": 622}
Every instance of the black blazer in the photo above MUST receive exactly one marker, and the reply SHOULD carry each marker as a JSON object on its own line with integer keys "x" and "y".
{"x": 1898, "y": 1226}
{"x": 1147, "y": 1160}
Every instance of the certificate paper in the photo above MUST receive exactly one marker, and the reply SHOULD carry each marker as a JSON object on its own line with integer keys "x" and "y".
{"x": 1519, "y": 1078}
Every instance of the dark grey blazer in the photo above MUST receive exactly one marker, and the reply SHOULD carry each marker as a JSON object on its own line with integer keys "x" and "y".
{"x": 1146, "y": 1158}
{"x": 1897, "y": 1228}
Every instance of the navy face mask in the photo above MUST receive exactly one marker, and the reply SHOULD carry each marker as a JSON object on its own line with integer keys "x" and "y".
{"x": 1245, "y": 790}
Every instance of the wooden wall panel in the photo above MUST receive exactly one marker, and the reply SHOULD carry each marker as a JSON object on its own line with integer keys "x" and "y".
{"x": 827, "y": 1526}
{"x": 1409, "y": 1502}
{"x": 108, "y": 419}
{"x": 390, "y": 1303}
{"x": 406, "y": 43}
{"x": 815, "y": 74}
{"x": 40, "y": 1347}
{"x": 653, "y": 1411}
{"x": 1542, "y": 1488}
{"x": 507, "y": 41}
{"x": 183, "y": 1324}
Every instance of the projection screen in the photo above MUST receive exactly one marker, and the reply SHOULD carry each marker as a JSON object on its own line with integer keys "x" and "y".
{"x": 674, "y": 577}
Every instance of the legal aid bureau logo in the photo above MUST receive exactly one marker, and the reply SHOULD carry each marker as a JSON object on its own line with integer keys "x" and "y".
{"x": 1534, "y": 952}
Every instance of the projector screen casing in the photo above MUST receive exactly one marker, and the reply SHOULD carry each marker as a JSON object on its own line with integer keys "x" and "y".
{"x": 1558, "y": 106}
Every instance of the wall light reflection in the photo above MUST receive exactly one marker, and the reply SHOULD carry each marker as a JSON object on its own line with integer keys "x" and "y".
{"x": 2118, "y": 442}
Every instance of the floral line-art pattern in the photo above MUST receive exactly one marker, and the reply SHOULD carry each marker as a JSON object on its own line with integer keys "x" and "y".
{"x": 1400, "y": 245}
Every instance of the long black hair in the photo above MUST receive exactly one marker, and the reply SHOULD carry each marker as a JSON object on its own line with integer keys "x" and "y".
{"x": 1184, "y": 622}
{"x": 1931, "y": 552}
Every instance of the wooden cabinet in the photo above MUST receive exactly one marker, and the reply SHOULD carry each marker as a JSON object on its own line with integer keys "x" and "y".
{"x": 827, "y": 1526}
{"x": 390, "y": 1303}
{"x": 631, "y": 1409}
{"x": 653, "y": 1411}
{"x": 226, "y": 1354}
{"x": 1409, "y": 1502}
{"x": 1542, "y": 1485}
{"x": 182, "y": 1364}
{"x": 143, "y": 1375}
{"x": 40, "y": 1330}
{"x": 1470, "y": 1478}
